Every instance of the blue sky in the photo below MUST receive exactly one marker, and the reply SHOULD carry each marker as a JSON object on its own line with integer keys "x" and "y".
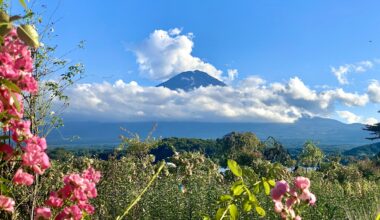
{"x": 275, "y": 41}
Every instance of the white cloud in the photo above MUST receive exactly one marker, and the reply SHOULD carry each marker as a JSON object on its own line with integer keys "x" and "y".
{"x": 353, "y": 118}
{"x": 342, "y": 71}
{"x": 349, "y": 116}
{"x": 374, "y": 91}
{"x": 166, "y": 53}
{"x": 253, "y": 100}
{"x": 232, "y": 74}
{"x": 370, "y": 121}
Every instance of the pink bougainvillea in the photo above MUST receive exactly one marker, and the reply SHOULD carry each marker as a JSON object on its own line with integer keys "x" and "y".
{"x": 77, "y": 190}
{"x": 292, "y": 196}
{"x": 16, "y": 66}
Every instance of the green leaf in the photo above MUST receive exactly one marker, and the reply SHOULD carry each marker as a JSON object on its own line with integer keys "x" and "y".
{"x": 238, "y": 190}
{"x": 4, "y": 189}
{"x": 219, "y": 213}
{"x": 235, "y": 168}
{"x": 378, "y": 217}
{"x": 16, "y": 103}
{"x": 205, "y": 217}
{"x": 260, "y": 211}
{"x": 4, "y": 180}
{"x": 3, "y": 137}
{"x": 272, "y": 182}
{"x": 10, "y": 85}
{"x": 247, "y": 206}
{"x": 256, "y": 190}
{"x": 15, "y": 18}
{"x": 29, "y": 35}
{"x": 266, "y": 187}
{"x": 233, "y": 212}
{"x": 252, "y": 198}
{"x": 225, "y": 198}
{"x": 22, "y": 2}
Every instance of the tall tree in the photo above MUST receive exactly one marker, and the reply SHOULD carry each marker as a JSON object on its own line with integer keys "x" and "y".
{"x": 374, "y": 129}
{"x": 311, "y": 155}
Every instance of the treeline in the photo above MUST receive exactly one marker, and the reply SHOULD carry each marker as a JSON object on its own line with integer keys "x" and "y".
{"x": 244, "y": 147}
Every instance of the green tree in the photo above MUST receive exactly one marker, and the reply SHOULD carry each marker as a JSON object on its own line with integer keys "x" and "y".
{"x": 275, "y": 152}
{"x": 243, "y": 147}
{"x": 374, "y": 129}
{"x": 311, "y": 155}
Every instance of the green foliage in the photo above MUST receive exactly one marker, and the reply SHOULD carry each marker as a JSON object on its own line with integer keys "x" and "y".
{"x": 311, "y": 155}
{"x": 374, "y": 130}
{"x": 275, "y": 152}
{"x": 241, "y": 193}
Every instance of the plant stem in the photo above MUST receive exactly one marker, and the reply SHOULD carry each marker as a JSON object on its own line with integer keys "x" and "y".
{"x": 138, "y": 198}
{"x": 225, "y": 212}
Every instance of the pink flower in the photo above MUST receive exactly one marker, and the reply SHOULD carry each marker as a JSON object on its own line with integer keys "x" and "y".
{"x": 65, "y": 192}
{"x": 291, "y": 201}
{"x": 91, "y": 174}
{"x": 35, "y": 144}
{"x": 54, "y": 200}
{"x": 23, "y": 178}
{"x": 308, "y": 196}
{"x": 29, "y": 84}
{"x": 20, "y": 130}
{"x": 7, "y": 150}
{"x": 292, "y": 213}
{"x": 278, "y": 206}
{"x": 302, "y": 183}
{"x": 7, "y": 204}
{"x": 72, "y": 213}
{"x": 313, "y": 199}
{"x": 42, "y": 213}
{"x": 86, "y": 207}
{"x": 298, "y": 218}
{"x": 279, "y": 190}
{"x": 38, "y": 161}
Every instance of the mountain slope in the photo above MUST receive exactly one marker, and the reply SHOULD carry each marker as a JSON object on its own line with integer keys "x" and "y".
{"x": 190, "y": 80}
{"x": 327, "y": 133}
{"x": 365, "y": 150}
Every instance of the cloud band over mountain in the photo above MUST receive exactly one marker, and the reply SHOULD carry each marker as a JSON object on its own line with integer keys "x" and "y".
{"x": 253, "y": 99}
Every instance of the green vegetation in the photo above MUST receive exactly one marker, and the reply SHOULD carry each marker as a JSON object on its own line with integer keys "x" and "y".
{"x": 346, "y": 188}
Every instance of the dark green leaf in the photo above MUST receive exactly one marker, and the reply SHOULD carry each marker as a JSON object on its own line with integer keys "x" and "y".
{"x": 15, "y": 18}
{"x": 3, "y": 137}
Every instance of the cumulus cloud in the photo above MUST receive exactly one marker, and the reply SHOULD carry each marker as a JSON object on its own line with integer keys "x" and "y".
{"x": 253, "y": 100}
{"x": 166, "y": 53}
{"x": 353, "y": 118}
{"x": 232, "y": 74}
{"x": 374, "y": 91}
{"x": 342, "y": 71}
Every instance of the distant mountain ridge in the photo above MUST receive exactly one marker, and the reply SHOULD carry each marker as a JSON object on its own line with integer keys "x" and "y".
{"x": 327, "y": 133}
{"x": 190, "y": 80}
{"x": 365, "y": 150}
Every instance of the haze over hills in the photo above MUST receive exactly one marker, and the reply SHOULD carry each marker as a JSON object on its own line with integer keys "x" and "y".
{"x": 190, "y": 80}
{"x": 327, "y": 133}
{"x": 365, "y": 150}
